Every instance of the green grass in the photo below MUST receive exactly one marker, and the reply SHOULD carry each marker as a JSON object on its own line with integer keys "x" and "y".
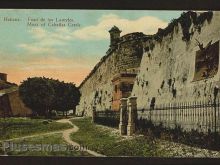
{"x": 44, "y": 140}
{"x": 105, "y": 142}
{"x": 18, "y": 127}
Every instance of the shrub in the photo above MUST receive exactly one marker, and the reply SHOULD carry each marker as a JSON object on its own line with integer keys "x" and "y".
{"x": 177, "y": 134}
{"x": 45, "y": 122}
{"x": 162, "y": 84}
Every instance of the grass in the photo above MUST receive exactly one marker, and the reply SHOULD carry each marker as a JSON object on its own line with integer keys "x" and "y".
{"x": 105, "y": 142}
{"x": 18, "y": 127}
{"x": 48, "y": 140}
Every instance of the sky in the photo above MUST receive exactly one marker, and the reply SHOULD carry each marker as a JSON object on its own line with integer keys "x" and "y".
{"x": 31, "y": 46}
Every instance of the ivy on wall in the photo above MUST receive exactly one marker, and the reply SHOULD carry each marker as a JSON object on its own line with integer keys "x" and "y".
{"x": 186, "y": 20}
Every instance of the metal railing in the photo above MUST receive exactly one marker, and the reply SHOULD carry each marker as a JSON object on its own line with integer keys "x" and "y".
{"x": 108, "y": 118}
{"x": 201, "y": 115}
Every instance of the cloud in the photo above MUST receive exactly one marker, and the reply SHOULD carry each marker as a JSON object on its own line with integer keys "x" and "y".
{"x": 34, "y": 48}
{"x": 52, "y": 62}
{"x": 46, "y": 41}
{"x": 61, "y": 34}
{"x": 145, "y": 24}
{"x": 46, "y": 53}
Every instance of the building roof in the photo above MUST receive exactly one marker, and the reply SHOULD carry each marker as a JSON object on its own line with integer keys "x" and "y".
{"x": 3, "y": 73}
{"x": 114, "y": 28}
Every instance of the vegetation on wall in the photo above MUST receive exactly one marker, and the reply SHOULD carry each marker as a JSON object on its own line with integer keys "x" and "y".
{"x": 185, "y": 20}
{"x": 160, "y": 64}
{"x": 169, "y": 82}
{"x": 203, "y": 17}
{"x": 100, "y": 100}
{"x": 96, "y": 94}
{"x": 184, "y": 79}
{"x": 146, "y": 82}
{"x": 162, "y": 84}
{"x": 174, "y": 92}
{"x": 152, "y": 46}
{"x": 138, "y": 82}
{"x": 146, "y": 49}
{"x": 142, "y": 85}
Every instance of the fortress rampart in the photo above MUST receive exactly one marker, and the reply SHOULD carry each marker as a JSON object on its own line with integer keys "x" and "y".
{"x": 174, "y": 65}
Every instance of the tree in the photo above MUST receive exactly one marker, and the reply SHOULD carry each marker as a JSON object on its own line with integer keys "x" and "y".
{"x": 72, "y": 96}
{"x": 43, "y": 95}
{"x": 67, "y": 96}
{"x": 59, "y": 102}
{"x": 38, "y": 94}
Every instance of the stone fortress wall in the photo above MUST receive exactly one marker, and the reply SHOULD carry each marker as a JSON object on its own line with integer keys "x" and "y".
{"x": 97, "y": 89}
{"x": 171, "y": 73}
{"x": 166, "y": 64}
{"x": 167, "y": 69}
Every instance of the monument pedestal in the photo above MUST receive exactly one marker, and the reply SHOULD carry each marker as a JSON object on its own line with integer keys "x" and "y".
{"x": 130, "y": 129}
{"x": 122, "y": 129}
{"x": 123, "y": 112}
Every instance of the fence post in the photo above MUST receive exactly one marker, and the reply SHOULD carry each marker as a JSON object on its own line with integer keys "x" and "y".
{"x": 206, "y": 115}
{"x": 93, "y": 114}
{"x": 217, "y": 116}
{"x": 175, "y": 109}
{"x": 123, "y": 111}
{"x": 215, "y": 130}
{"x": 132, "y": 115}
{"x": 216, "y": 89}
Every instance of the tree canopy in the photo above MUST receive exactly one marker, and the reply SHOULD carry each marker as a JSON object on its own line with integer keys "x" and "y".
{"x": 43, "y": 95}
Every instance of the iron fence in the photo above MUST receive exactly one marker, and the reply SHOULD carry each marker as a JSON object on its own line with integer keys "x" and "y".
{"x": 108, "y": 118}
{"x": 202, "y": 116}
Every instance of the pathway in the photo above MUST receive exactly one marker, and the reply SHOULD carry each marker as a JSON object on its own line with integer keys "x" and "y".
{"x": 68, "y": 132}
{"x": 66, "y": 136}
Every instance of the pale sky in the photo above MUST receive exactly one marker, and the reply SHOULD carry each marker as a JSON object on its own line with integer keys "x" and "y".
{"x": 66, "y": 53}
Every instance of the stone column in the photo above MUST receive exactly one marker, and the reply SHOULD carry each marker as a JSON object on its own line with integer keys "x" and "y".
{"x": 123, "y": 111}
{"x": 93, "y": 114}
{"x": 132, "y": 115}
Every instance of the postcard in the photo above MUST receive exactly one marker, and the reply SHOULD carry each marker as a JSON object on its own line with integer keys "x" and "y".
{"x": 103, "y": 83}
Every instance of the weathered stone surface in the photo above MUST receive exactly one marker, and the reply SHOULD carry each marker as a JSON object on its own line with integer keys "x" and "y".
{"x": 123, "y": 112}
{"x": 97, "y": 89}
{"x": 167, "y": 75}
{"x": 166, "y": 71}
{"x": 132, "y": 111}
